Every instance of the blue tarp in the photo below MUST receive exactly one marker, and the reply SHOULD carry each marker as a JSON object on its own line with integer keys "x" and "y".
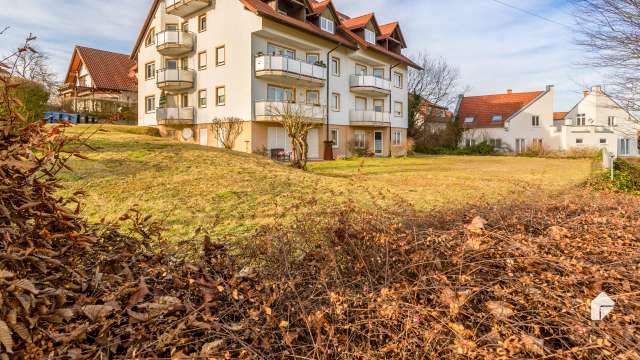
{"x": 53, "y": 117}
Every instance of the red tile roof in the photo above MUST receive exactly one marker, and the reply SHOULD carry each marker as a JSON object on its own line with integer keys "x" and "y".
{"x": 559, "y": 115}
{"x": 108, "y": 70}
{"x": 351, "y": 40}
{"x": 484, "y": 108}
{"x": 358, "y": 22}
{"x": 387, "y": 29}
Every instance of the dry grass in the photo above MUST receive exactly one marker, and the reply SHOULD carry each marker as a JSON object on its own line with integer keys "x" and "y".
{"x": 188, "y": 186}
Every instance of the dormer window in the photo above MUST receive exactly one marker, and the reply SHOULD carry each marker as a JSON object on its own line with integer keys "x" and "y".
{"x": 327, "y": 25}
{"x": 469, "y": 120}
{"x": 369, "y": 36}
{"x": 496, "y": 118}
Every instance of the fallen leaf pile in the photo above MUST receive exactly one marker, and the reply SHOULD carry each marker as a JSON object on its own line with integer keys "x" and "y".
{"x": 513, "y": 282}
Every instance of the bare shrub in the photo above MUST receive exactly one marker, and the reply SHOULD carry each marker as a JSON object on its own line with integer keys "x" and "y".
{"x": 296, "y": 119}
{"x": 227, "y": 130}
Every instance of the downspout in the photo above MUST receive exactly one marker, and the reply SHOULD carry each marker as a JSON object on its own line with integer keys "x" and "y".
{"x": 328, "y": 144}
{"x": 391, "y": 102}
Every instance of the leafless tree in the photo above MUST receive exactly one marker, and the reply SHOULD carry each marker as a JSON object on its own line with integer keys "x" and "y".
{"x": 34, "y": 66}
{"x": 609, "y": 30}
{"x": 297, "y": 121}
{"x": 227, "y": 130}
{"x": 437, "y": 83}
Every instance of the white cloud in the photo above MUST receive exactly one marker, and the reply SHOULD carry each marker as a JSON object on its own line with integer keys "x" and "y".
{"x": 495, "y": 47}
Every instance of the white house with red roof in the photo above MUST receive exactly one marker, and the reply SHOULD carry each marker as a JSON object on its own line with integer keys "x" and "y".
{"x": 98, "y": 83}
{"x": 515, "y": 122}
{"x": 200, "y": 60}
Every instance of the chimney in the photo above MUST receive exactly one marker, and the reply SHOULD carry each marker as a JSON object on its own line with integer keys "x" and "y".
{"x": 586, "y": 93}
{"x": 509, "y": 91}
{"x": 596, "y": 89}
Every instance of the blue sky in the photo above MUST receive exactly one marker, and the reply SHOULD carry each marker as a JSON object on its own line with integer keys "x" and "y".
{"x": 495, "y": 47}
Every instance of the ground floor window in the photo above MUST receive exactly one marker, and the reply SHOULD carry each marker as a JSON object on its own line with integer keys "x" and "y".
{"x": 537, "y": 143}
{"x": 335, "y": 137}
{"x": 222, "y": 136}
{"x": 397, "y": 138}
{"x": 625, "y": 148}
{"x": 149, "y": 104}
{"x": 469, "y": 142}
{"x": 521, "y": 145}
{"x": 603, "y": 141}
{"x": 496, "y": 143}
{"x": 579, "y": 141}
{"x": 359, "y": 139}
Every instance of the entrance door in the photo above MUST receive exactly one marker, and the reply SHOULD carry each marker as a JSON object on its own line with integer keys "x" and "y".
{"x": 203, "y": 137}
{"x": 379, "y": 143}
{"x": 314, "y": 145}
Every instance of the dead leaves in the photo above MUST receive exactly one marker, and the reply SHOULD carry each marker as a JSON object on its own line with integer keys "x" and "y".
{"x": 500, "y": 310}
{"x": 99, "y": 312}
{"x": 477, "y": 225}
{"x": 5, "y": 337}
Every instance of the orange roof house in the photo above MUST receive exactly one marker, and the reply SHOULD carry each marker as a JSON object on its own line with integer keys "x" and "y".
{"x": 486, "y": 109}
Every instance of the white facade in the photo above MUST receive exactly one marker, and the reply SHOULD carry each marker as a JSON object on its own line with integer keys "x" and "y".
{"x": 250, "y": 69}
{"x": 596, "y": 122}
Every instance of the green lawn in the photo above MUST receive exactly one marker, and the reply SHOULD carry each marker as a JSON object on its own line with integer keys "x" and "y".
{"x": 188, "y": 186}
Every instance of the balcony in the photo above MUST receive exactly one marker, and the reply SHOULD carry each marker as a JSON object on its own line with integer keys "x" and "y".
{"x": 369, "y": 118}
{"x": 370, "y": 85}
{"x": 274, "y": 110}
{"x": 290, "y": 71}
{"x": 174, "y": 42}
{"x": 184, "y": 8}
{"x": 175, "y": 79}
{"x": 174, "y": 116}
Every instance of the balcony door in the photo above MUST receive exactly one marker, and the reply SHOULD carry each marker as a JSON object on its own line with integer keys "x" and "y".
{"x": 378, "y": 143}
{"x": 171, "y": 64}
{"x": 378, "y": 105}
{"x": 276, "y": 50}
{"x": 361, "y": 69}
{"x": 280, "y": 94}
{"x": 361, "y": 104}
{"x": 173, "y": 101}
{"x": 379, "y": 73}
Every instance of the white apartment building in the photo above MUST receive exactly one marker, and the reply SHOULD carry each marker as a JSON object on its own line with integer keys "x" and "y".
{"x": 200, "y": 60}
{"x": 514, "y": 122}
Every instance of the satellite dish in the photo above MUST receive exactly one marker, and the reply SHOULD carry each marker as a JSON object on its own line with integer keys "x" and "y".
{"x": 187, "y": 134}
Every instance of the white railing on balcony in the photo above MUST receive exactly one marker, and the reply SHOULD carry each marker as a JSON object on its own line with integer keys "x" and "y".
{"x": 174, "y": 114}
{"x": 293, "y": 66}
{"x": 175, "y": 37}
{"x": 267, "y": 108}
{"x": 370, "y": 81}
{"x": 175, "y": 76}
{"x": 369, "y": 116}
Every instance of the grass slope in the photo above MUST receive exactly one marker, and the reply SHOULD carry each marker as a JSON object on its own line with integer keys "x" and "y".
{"x": 188, "y": 186}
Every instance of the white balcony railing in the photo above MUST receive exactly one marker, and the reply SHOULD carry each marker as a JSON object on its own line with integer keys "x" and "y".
{"x": 175, "y": 39}
{"x": 370, "y": 81}
{"x": 175, "y": 78}
{"x": 291, "y": 66}
{"x": 276, "y": 109}
{"x": 174, "y": 115}
{"x": 369, "y": 116}
{"x": 185, "y": 7}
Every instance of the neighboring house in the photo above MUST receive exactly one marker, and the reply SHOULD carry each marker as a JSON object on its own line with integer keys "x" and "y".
{"x": 510, "y": 122}
{"x": 250, "y": 59}
{"x": 598, "y": 121}
{"x": 98, "y": 83}
{"x": 433, "y": 117}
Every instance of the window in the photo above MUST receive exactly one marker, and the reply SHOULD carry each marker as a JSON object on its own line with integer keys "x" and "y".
{"x": 171, "y": 64}
{"x": 150, "y": 70}
{"x": 149, "y": 104}
{"x": 625, "y": 146}
{"x": 521, "y": 146}
{"x": 184, "y": 99}
{"x": 151, "y": 37}
{"x": 202, "y": 23}
{"x": 202, "y": 60}
{"x": 611, "y": 121}
{"x": 277, "y": 93}
{"x": 496, "y": 143}
{"x": 327, "y": 25}
{"x": 220, "y": 56}
{"x": 396, "y": 138}
{"x": 184, "y": 63}
{"x": 335, "y": 102}
{"x": 397, "y": 80}
{"x": 369, "y": 36}
{"x": 469, "y": 120}
{"x": 185, "y": 26}
{"x": 378, "y": 105}
{"x": 335, "y": 137}
{"x": 359, "y": 139}
{"x": 603, "y": 141}
{"x": 276, "y": 50}
{"x": 537, "y": 143}
{"x": 202, "y": 98}
{"x": 579, "y": 141}
{"x": 535, "y": 121}
{"x": 313, "y": 58}
{"x": 470, "y": 142}
{"x": 581, "y": 120}
{"x": 221, "y": 96}
{"x": 313, "y": 97}
{"x": 171, "y": 27}
{"x": 398, "y": 109}
{"x": 361, "y": 69}
{"x": 335, "y": 66}
{"x": 496, "y": 118}
{"x": 379, "y": 73}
